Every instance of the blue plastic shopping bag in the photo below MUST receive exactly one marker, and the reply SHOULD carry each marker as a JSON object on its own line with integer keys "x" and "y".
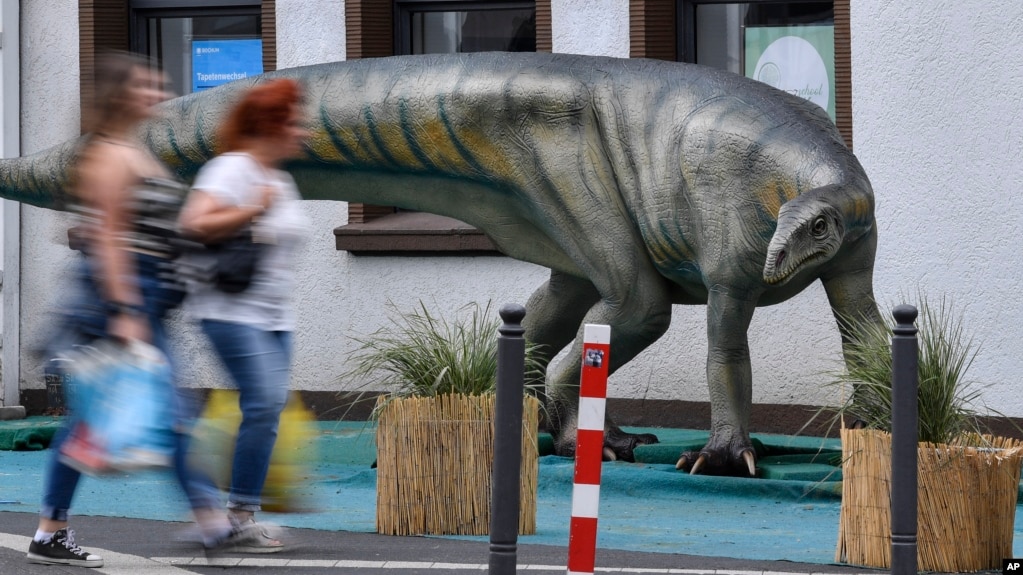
{"x": 122, "y": 409}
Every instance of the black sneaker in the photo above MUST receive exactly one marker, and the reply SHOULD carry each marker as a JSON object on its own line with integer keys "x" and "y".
{"x": 61, "y": 550}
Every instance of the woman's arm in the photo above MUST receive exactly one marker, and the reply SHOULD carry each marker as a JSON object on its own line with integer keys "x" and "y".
{"x": 105, "y": 181}
{"x": 207, "y": 220}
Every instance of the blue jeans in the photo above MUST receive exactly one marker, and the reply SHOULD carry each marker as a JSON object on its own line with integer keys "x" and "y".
{"x": 83, "y": 318}
{"x": 259, "y": 363}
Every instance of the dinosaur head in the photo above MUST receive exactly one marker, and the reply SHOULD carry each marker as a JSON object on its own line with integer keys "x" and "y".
{"x": 811, "y": 229}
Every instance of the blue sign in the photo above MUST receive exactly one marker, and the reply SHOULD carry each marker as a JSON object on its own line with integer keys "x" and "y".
{"x": 216, "y": 62}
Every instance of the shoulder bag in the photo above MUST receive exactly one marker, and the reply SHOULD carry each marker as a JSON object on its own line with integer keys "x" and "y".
{"x": 236, "y": 261}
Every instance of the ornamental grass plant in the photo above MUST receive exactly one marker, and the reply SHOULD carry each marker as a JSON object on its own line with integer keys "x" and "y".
{"x": 435, "y": 431}
{"x": 947, "y": 399}
{"x": 967, "y": 480}
{"x": 420, "y": 354}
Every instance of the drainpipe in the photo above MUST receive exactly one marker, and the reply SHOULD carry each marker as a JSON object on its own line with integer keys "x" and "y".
{"x": 10, "y": 215}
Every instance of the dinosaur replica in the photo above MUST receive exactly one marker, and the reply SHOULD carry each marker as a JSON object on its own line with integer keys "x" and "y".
{"x": 640, "y": 184}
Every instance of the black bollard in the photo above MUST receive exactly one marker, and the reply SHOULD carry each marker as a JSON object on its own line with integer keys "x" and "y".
{"x": 504, "y": 481}
{"x": 904, "y": 441}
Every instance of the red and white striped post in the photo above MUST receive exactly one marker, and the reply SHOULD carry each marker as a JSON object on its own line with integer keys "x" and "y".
{"x": 589, "y": 448}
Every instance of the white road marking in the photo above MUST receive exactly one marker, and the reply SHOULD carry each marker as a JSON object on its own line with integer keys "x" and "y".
{"x": 390, "y": 565}
{"x": 125, "y": 564}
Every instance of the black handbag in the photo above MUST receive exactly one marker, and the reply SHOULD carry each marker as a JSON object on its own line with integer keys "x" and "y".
{"x": 236, "y": 261}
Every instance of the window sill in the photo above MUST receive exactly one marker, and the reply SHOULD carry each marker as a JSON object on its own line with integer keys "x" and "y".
{"x": 413, "y": 233}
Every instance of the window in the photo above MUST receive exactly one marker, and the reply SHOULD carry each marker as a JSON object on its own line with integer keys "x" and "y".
{"x": 166, "y": 30}
{"x": 435, "y": 28}
{"x": 423, "y": 27}
{"x": 801, "y": 46}
{"x": 200, "y": 48}
{"x": 714, "y": 32}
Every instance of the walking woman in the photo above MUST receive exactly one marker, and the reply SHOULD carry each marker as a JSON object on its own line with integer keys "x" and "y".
{"x": 251, "y": 331}
{"x": 126, "y": 201}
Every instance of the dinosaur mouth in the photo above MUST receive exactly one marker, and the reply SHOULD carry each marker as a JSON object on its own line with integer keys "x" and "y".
{"x": 779, "y": 259}
{"x": 779, "y": 274}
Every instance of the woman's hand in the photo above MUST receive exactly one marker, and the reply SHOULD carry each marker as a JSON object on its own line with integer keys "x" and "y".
{"x": 267, "y": 195}
{"x": 125, "y": 327}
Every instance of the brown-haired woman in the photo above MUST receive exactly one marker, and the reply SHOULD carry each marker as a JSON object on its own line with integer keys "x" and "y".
{"x": 251, "y": 331}
{"x": 127, "y": 201}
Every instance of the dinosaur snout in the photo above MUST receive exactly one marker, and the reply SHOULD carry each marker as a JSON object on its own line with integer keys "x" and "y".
{"x": 776, "y": 266}
{"x": 778, "y": 259}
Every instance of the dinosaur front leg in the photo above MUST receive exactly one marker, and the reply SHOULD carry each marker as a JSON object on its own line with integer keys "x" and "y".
{"x": 850, "y": 288}
{"x": 730, "y": 379}
{"x": 554, "y": 312}
{"x": 850, "y": 292}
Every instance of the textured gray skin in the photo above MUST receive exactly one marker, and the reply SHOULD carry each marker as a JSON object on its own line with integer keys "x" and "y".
{"x": 640, "y": 184}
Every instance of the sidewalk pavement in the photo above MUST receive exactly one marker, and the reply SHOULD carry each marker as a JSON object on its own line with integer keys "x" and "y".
{"x": 147, "y": 547}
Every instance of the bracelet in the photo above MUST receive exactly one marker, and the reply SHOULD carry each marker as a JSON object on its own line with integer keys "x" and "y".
{"x": 121, "y": 308}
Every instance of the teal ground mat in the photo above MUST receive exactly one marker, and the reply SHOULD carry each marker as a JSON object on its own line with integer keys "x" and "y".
{"x": 644, "y": 506}
{"x": 29, "y": 434}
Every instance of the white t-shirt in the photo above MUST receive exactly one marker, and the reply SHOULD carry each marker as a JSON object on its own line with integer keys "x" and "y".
{"x": 237, "y": 179}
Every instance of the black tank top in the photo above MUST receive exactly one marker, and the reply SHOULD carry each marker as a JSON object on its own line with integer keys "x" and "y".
{"x": 155, "y": 205}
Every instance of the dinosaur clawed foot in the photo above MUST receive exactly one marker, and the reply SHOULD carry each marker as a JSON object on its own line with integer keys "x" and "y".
{"x": 710, "y": 461}
{"x": 618, "y": 445}
{"x": 621, "y": 445}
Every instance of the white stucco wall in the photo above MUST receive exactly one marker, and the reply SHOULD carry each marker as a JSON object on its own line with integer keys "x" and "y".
{"x": 592, "y": 27}
{"x": 936, "y": 126}
{"x": 49, "y": 115}
{"x": 310, "y": 32}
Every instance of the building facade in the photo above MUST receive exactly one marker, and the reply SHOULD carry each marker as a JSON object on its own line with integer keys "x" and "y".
{"x": 925, "y": 93}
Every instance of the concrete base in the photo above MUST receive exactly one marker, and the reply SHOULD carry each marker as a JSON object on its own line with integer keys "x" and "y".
{"x": 12, "y": 412}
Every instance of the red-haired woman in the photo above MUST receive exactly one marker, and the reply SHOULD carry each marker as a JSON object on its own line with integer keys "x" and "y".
{"x": 251, "y": 330}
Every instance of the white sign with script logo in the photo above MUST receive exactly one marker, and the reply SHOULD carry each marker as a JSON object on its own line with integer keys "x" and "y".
{"x": 793, "y": 64}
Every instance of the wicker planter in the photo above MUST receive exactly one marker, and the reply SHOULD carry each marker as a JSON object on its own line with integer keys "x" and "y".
{"x": 965, "y": 510}
{"x": 434, "y": 457}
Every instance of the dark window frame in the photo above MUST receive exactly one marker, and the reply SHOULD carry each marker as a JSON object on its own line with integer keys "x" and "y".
{"x": 108, "y": 25}
{"x": 140, "y": 10}
{"x": 403, "y": 9}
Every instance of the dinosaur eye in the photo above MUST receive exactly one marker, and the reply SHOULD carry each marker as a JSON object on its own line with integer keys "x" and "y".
{"x": 820, "y": 227}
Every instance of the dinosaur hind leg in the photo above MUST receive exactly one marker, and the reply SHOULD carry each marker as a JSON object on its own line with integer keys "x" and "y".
{"x": 554, "y": 314}
{"x": 637, "y": 319}
{"x": 555, "y": 311}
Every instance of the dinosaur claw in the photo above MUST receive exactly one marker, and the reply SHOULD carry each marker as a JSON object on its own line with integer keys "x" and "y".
{"x": 609, "y": 454}
{"x": 681, "y": 462}
{"x": 750, "y": 462}
{"x": 699, "y": 463}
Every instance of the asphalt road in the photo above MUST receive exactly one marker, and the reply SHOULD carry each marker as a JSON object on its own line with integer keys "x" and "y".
{"x": 143, "y": 547}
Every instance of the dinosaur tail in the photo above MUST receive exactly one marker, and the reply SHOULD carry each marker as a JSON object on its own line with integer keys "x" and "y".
{"x": 40, "y": 179}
